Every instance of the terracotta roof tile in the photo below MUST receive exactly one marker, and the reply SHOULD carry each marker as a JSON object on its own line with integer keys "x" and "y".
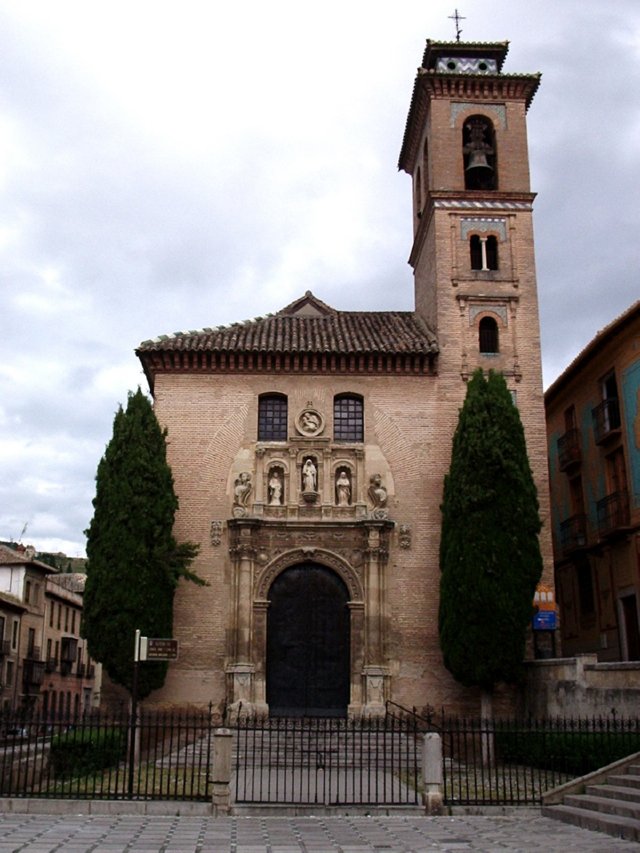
{"x": 341, "y": 332}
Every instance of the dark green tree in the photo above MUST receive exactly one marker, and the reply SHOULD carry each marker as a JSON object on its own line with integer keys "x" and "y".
{"x": 489, "y": 550}
{"x": 134, "y": 562}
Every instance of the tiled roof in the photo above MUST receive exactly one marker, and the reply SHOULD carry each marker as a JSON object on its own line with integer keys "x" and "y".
{"x": 11, "y": 557}
{"x": 339, "y": 332}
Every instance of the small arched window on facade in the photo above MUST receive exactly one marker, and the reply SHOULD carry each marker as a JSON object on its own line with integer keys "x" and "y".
{"x": 479, "y": 153}
{"x": 484, "y": 253}
{"x": 348, "y": 418}
{"x": 488, "y": 336}
{"x": 272, "y": 417}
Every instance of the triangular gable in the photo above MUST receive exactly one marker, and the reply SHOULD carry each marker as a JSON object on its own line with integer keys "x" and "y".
{"x": 307, "y": 306}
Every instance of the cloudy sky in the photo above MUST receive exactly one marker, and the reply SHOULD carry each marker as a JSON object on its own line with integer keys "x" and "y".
{"x": 168, "y": 166}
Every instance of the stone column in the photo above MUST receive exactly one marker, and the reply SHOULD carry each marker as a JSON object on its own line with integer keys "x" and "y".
{"x": 260, "y": 608}
{"x": 241, "y": 667}
{"x": 375, "y": 673}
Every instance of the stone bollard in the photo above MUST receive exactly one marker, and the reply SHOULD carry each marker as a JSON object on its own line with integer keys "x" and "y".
{"x": 432, "y": 773}
{"x": 221, "y": 771}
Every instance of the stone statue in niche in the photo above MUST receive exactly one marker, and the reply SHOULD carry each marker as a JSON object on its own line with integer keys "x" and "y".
{"x": 378, "y": 496}
{"x": 343, "y": 488}
{"x": 241, "y": 491}
{"x": 275, "y": 488}
{"x": 309, "y": 476}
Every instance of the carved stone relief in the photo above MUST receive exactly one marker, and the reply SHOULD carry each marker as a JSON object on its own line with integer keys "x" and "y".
{"x": 216, "y": 532}
{"x": 310, "y": 422}
{"x": 378, "y": 497}
{"x": 241, "y": 491}
{"x": 404, "y": 536}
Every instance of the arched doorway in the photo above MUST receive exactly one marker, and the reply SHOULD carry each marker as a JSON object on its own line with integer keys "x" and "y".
{"x": 308, "y": 643}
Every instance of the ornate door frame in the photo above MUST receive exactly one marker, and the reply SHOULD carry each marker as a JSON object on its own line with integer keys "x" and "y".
{"x": 259, "y": 553}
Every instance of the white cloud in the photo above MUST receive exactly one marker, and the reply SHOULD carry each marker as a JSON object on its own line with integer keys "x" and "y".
{"x": 170, "y": 166}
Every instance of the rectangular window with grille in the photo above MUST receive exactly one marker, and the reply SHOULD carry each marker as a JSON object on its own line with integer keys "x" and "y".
{"x": 348, "y": 418}
{"x": 272, "y": 417}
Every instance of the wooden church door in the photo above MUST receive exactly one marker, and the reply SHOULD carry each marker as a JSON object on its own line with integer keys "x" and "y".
{"x": 308, "y": 660}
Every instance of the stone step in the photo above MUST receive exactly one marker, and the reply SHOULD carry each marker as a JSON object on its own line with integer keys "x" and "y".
{"x": 624, "y": 780}
{"x": 607, "y": 805}
{"x": 616, "y": 792}
{"x": 615, "y": 825}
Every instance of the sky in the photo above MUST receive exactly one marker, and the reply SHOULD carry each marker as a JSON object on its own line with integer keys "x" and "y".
{"x": 167, "y": 166}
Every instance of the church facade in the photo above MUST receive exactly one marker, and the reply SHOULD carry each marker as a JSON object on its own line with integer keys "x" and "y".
{"x": 309, "y": 447}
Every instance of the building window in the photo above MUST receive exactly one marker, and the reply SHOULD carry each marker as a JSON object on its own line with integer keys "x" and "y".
{"x": 272, "y": 417}
{"x": 348, "y": 418}
{"x": 488, "y": 335}
{"x": 14, "y": 635}
{"x": 484, "y": 253}
{"x": 479, "y": 152}
{"x": 27, "y": 591}
{"x": 586, "y": 595}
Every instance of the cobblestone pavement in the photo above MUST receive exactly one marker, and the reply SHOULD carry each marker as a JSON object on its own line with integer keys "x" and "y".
{"x": 109, "y": 834}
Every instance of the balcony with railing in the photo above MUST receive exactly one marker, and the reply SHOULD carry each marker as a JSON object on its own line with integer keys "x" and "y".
{"x": 613, "y": 513}
{"x": 5, "y": 648}
{"x": 606, "y": 420}
{"x": 80, "y": 670}
{"x": 573, "y": 533}
{"x": 569, "y": 452}
{"x": 51, "y": 664}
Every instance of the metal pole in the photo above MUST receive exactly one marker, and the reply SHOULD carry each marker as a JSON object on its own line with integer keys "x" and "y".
{"x": 134, "y": 710}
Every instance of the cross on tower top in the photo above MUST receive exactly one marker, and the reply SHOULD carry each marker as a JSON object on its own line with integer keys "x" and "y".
{"x": 457, "y": 18}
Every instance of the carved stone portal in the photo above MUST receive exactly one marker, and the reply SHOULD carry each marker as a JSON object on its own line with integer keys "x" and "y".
{"x": 260, "y": 551}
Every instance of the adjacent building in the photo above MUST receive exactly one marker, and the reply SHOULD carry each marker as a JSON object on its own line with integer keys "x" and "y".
{"x": 593, "y": 423}
{"x": 44, "y": 665}
{"x": 309, "y": 447}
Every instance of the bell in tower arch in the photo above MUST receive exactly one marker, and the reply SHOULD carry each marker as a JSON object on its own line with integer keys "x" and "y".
{"x": 479, "y": 154}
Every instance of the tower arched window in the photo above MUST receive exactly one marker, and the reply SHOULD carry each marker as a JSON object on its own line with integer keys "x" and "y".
{"x": 479, "y": 153}
{"x": 484, "y": 253}
{"x": 272, "y": 417}
{"x": 418, "y": 189}
{"x": 348, "y": 417}
{"x": 488, "y": 336}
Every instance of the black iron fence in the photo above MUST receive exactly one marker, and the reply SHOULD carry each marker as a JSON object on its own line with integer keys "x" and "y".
{"x": 327, "y": 762}
{"x": 502, "y": 762}
{"x": 89, "y": 757}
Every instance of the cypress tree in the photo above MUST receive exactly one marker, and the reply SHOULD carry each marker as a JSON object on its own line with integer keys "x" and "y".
{"x": 489, "y": 552}
{"x": 134, "y": 563}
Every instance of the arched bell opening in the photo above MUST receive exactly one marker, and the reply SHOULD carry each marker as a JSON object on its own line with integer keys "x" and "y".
{"x": 479, "y": 152}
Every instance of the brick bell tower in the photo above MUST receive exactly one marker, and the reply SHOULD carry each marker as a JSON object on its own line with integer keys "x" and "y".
{"x": 465, "y": 148}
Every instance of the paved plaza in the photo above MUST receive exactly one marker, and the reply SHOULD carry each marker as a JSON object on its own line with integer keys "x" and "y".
{"x": 527, "y": 830}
